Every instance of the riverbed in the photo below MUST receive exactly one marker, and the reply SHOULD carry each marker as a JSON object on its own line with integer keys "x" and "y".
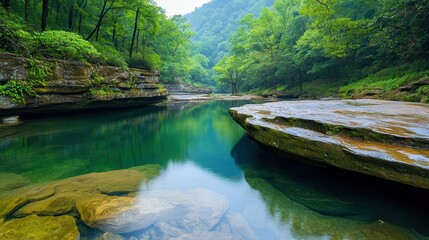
{"x": 199, "y": 146}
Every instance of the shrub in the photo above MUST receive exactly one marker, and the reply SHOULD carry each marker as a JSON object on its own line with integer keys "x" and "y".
{"x": 148, "y": 60}
{"x": 13, "y": 37}
{"x": 110, "y": 56}
{"x": 65, "y": 45}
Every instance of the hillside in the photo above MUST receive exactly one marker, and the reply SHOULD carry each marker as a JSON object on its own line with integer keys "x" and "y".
{"x": 215, "y": 22}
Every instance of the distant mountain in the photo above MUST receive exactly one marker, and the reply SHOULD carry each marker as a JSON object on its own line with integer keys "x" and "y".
{"x": 215, "y": 22}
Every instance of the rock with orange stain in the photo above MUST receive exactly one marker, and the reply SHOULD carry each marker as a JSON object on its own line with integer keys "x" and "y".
{"x": 380, "y": 138}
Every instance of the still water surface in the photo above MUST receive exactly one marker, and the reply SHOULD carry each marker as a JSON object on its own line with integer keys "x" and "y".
{"x": 200, "y": 146}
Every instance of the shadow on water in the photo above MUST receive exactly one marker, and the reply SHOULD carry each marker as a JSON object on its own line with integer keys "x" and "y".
{"x": 334, "y": 192}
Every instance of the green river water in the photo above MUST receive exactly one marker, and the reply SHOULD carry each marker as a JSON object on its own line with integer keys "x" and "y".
{"x": 200, "y": 146}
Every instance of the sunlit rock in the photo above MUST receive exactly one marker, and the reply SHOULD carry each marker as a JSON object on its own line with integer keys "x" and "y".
{"x": 125, "y": 214}
{"x": 194, "y": 211}
{"x": 9, "y": 181}
{"x": 58, "y": 204}
{"x": 60, "y": 197}
{"x": 9, "y": 204}
{"x": 34, "y": 227}
{"x": 380, "y": 138}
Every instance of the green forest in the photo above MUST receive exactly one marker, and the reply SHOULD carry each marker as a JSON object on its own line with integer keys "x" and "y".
{"x": 294, "y": 48}
{"x": 123, "y": 33}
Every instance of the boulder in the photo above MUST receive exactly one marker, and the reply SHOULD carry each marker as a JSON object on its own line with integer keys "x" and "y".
{"x": 385, "y": 139}
{"x": 197, "y": 210}
{"x": 10, "y": 181}
{"x": 34, "y": 227}
{"x": 128, "y": 214}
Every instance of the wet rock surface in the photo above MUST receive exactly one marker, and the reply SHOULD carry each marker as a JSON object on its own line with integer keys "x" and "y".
{"x": 118, "y": 205}
{"x": 34, "y": 227}
{"x": 195, "y": 211}
{"x": 72, "y": 86}
{"x": 380, "y": 138}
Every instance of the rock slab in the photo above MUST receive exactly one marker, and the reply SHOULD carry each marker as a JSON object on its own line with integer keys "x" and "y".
{"x": 379, "y": 138}
{"x": 34, "y": 227}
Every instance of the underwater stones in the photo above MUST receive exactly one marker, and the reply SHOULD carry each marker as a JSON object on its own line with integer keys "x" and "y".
{"x": 194, "y": 211}
{"x": 123, "y": 214}
{"x": 58, "y": 204}
{"x": 60, "y": 197}
{"x": 34, "y": 227}
{"x": 381, "y": 230}
{"x": 385, "y": 139}
{"x": 230, "y": 226}
{"x": 9, "y": 204}
{"x": 113, "y": 182}
{"x": 11, "y": 181}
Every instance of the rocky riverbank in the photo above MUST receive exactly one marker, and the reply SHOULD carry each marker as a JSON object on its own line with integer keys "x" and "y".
{"x": 385, "y": 139}
{"x": 31, "y": 86}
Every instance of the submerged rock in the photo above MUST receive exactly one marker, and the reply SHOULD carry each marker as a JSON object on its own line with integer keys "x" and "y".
{"x": 9, "y": 204}
{"x": 9, "y": 181}
{"x": 34, "y": 227}
{"x": 60, "y": 197}
{"x": 380, "y": 138}
{"x": 194, "y": 211}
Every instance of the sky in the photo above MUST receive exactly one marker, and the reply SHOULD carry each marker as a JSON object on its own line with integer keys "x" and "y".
{"x": 183, "y": 7}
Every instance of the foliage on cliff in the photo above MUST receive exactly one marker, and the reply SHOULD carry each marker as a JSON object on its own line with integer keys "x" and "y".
{"x": 110, "y": 32}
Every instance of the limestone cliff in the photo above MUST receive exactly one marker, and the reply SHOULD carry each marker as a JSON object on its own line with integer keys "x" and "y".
{"x": 71, "y": 86}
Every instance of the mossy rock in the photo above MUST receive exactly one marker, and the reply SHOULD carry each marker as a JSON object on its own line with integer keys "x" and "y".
{"x": 34, "y": 227}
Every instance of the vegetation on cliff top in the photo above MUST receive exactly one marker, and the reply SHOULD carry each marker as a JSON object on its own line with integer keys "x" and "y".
{"x": 123, "y": 33}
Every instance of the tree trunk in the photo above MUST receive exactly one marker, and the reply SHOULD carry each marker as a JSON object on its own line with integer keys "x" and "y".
{"x": 114, "y": 33}
{"x": 45, "y": 9}
{"x": 26, "y": 7}
{"x": 103, "y": 12}
{"x": 6, "y": 4}
{"x": 71, "y": 15}
{"x": 134, "y": 32}
{"x": 137, "y": 41}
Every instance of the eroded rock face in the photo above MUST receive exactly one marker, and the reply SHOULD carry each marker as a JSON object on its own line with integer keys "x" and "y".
{"x": 380, "y": 138}
{"x": 79, "y": 86}
{"x": 34, "y": 227}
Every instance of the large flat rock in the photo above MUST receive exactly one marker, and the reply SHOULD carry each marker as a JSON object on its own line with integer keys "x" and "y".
{"x": 380, "y": 138}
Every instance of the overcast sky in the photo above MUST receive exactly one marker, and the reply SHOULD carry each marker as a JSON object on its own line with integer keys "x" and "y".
{"x": 173, "y": 7}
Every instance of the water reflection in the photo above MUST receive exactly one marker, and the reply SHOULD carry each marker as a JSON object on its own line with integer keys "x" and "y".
{"x": 56, "y": 148}
{"x": 197, "y": 146}
{"x": 337, "y": 199}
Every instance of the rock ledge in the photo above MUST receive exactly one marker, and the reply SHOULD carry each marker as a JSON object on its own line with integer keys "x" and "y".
{"x": 379, "y": 138}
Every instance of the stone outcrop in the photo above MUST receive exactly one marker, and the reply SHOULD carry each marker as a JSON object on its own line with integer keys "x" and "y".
{"x": 73, "y": 86}
{"x": 183, "y": 88}
{"x": 385, "y": 139}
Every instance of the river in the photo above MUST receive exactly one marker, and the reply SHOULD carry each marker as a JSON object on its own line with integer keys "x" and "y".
{"x": 200, "y": 146}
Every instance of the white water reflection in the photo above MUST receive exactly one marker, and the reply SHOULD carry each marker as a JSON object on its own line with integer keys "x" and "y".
{"x": 184, "y": 184}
